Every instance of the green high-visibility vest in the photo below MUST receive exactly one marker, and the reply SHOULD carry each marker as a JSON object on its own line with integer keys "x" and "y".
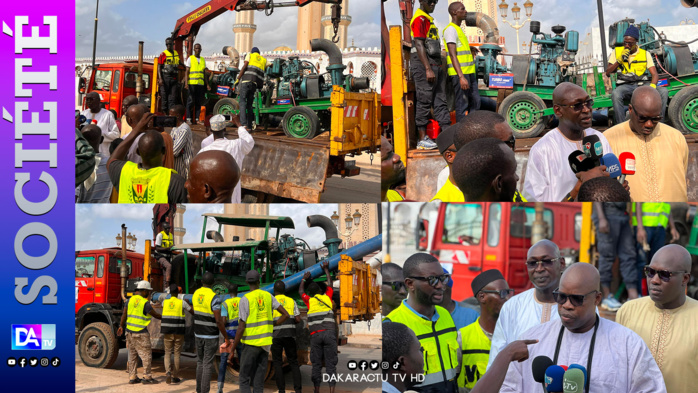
{"x": 653, "y": 214}
{"x": 463, "y": 53}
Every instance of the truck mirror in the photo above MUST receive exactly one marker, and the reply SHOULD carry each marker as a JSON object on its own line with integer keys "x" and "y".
{"x": 81, "y": 85}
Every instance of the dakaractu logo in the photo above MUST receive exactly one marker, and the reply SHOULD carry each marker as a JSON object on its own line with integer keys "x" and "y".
{"x": 33, "y": 337}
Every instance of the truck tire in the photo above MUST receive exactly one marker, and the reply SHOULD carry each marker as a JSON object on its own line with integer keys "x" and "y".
{"x": 683, "y": 110}
{"x": 98, "y": 346}
{"x": 301, "y": 122}
{"x": 518, "y": 110}
{"x": 232, "y": 375}
{"x": 225, "y": 106}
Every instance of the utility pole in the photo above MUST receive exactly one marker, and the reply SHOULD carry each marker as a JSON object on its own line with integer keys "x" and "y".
{"x": 94, "y": 40}
{"x": 603, "y": 34}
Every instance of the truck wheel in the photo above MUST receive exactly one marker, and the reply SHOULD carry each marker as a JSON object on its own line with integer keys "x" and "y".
{"x": 301, "y": 122}
{"x": 225, "y": 106}
{"x": 683, "y": 110}
{"x": 518, "y": 109}
{"x": 97, "y": 345}
{"x": 231, "y": 374}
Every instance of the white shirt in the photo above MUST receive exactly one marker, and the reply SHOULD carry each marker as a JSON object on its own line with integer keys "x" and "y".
{"x": 104, "y": 119}
{"x": 517, "y": 315}
{"x": 621, "y": 362}
{"x": 132, "y": 154}
{"x": 207, "y": 141}
{"x": 441, "y": 179}
{"x": 238, "y": 148}
{"x": 548, "y": 174}
{"x": 451, "y": 35}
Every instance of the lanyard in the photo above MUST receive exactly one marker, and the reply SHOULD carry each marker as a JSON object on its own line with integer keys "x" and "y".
{"x": 591, "y": 351}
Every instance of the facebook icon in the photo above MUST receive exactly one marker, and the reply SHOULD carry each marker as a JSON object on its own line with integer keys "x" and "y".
{"x": 33, "y": 337}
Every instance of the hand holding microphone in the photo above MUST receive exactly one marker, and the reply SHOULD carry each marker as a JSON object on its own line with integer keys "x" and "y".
{"x": 593, "y": 148}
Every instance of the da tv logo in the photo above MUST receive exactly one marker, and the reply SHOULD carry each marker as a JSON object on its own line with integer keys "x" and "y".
{"x": 33, "y": 337}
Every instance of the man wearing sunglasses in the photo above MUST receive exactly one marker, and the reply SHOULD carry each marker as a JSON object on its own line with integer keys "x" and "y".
{"x": 667, "y": 319}
{"x": 549, "y": 177}
{"x": 616, "y": 359}
{"x": 393, "y": 290}
{"x": 432, "y": 324}
{"x": 661, "y": 151}
{"x": 534, "y": 306}
{"x": 491, "y": 291}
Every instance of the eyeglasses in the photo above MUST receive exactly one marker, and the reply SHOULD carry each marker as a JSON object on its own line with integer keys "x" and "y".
{"x": 395, "y": 285}
{"x": 645, "y": 119}
{"x": 433, "y": 280}
{"x": 576, "y": 300}
{"x": 580, "y": 105}
{"x": 504, "y": 293}
{"x": 544, "y": 262}
{"x": 664, "y": 275}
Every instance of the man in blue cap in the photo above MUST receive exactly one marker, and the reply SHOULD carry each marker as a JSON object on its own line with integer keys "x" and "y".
{"x": 634, "y": 67}
{"x": 462, "y": 316}
{"x": 250, "y": 79}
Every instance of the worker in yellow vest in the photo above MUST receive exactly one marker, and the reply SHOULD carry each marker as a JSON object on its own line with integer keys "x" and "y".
{"x": 168, "y": 77}
{"x": 491, "y": 291}
{"x": 432, "y": 324}
{"x": 461, "y": 67}
{"x": 173, "y": 328}
{"x": 196, "y": 81}
{"x": 163, "y": 245}
{"x": 250, "y": 79}
{"x": 149, "y": 181}
{"x": 208, "y": 323}
{"x": 229, "y": 312}
{"x": 256, "y": 325}
{"x": 650, "y": 221}
{"x": 323, "y": 330}
{"x": 136, "y": 319}
{"x": 429, "y": 78}
{"x": 283, "y": 339}
{"x": 632, "y": 65}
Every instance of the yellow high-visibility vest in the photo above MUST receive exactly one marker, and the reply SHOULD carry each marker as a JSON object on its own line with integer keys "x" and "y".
{"x": 136, "y": 320}
{"x": 170, "y": 58}
{"x": 196, "y": 70}
{"x": 320, "y": 314}
{"x": 173, "y": 321}
{"x": 232, "y": 308}
{"x": 255, "y": 69}
{"x": 204, "y": 318}
{"x": 433, "y": 33}
{"x": 137, "y": 185}
{"x": 476, "y": 353}
{"x": 167, "y": 240}
{"x": 259, "y": 325}
{"x": 449, "y": 192}
{"x": 654, "y": 214}
{"x": 288, "y": 328}
{"x": 394, "y": 196}
{"x": 463, "y": 53}
{"x": 637, "y": 67}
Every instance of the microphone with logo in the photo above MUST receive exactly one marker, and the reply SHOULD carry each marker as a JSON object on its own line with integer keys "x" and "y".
{"x": 574, "y": 379}
{"x": 627, "y": 165}
{"x": 612, "y": 165}
{"x": 553, "y": 379}
{"x": 579, "y": 162}
{"x": 539, "y": 365}
{"x": 593, "y": 148}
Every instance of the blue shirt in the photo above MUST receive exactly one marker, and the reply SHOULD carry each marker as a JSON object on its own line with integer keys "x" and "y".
{"x": 464, "y": 316}
{"x": 434, "y": 317}
{"x": 233, "y": 332}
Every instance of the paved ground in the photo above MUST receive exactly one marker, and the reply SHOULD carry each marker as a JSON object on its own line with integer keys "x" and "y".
{"x": 356, "y": 189}
{"x": 115, "y": 379}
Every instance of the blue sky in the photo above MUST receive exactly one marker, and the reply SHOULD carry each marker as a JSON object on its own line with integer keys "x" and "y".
{"x": 579, "y": 15}
{"x": 96, "y": 226}
{"x": 122, "y": 23}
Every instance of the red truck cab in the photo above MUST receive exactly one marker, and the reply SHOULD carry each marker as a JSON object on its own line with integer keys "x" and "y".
{"x": 116, "y": 81}
{"x": 469, "y": 238}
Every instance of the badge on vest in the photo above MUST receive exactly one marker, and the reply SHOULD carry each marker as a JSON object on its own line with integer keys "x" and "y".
{"x": 200, "y": 300}
{"x": 260, "y": 304}
{"x": 136, "y": 302}
{"x": 140, "y": 189}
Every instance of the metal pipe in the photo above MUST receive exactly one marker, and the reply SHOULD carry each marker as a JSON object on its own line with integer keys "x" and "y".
{"x": 139, "y": 81}
{"x": 485, "y": 23}
{"x": 123, "y": 272}
{"x": 602, "y": 31}
{"x": 292, "y": 282}
{"x": 94, "y": 40}
{"x": 318, "y": 220}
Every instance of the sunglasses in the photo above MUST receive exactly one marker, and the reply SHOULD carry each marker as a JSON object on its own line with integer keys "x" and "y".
{"x": 544, "y": 262}
{"x": 504, "y": 293}
{"x": 395, "y": 285}
{"x": 645, "y": 119}
{"x": 580, "y": 105}
{"x": 433, "y": 280}
{"x": 576, "y": 300}
{"x": 664, "y": 275}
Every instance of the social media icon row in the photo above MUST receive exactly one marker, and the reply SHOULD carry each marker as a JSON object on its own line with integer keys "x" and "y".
{"x": 33, "y": 362}
{"x": 363, "y": 365}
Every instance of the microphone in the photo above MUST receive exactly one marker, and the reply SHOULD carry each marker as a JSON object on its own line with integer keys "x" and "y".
{"x": 627, "y": 165}
{"x": 573, "y": 381}
{"x": 553, "y": 378}
{"x": 538, "y": 367}
{"x": 612, "y": 165}
{"x": 563, "y": 367}
{"x": 593, "y": 148}
{"x": 580, "y": 367}
{"x": 579, "y": 162}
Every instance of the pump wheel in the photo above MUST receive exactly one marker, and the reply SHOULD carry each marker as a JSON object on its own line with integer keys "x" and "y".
{"x": 301, "y": 122}
{"x": 226, "y": 106}
{"x": 683, "y": 110}
{"x": 519, "y": 110}
{"x": 97, "y": 345}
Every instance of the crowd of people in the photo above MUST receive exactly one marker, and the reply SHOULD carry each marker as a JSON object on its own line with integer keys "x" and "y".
{"x": 478, "y": 149}
{"x": 538, "y": 336}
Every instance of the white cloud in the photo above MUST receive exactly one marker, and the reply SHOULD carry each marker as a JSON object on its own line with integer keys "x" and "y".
{"x": 124, "y": 212}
